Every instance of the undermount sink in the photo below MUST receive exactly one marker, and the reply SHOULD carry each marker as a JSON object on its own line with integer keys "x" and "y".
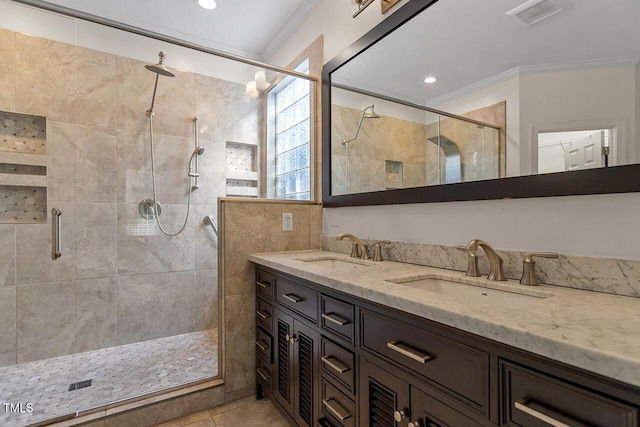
{"x": 335, "y": 263}
{"x": 461, "y": 288}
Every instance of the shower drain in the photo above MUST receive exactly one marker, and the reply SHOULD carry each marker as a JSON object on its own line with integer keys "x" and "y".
{"x": 80, "y": 384}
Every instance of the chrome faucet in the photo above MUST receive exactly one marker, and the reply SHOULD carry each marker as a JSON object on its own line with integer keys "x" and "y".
{"x": 358, "y": 248}
{"x": 495, "y": 262}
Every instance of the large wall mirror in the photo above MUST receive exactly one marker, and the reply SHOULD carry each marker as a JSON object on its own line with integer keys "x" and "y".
{"x": 466, "y": 100}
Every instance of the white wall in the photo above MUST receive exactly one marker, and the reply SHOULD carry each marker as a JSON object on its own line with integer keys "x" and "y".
{"x": 603, "y": 225}
{"x": 596, "y": 98}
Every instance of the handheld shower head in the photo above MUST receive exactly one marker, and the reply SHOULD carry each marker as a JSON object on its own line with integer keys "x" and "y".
{"x": 199, "y": 150}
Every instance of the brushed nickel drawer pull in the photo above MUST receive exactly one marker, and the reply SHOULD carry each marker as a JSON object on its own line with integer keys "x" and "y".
{"x": 336, "y": 365}
{"x": 335, "y": 319}
{"x": 293, "y": 298}
{"x": 522, "y": 406}
{"x": 262, "y": 346}
{"x": 262, "y": 374}
{"x": 334, "y": 411}
{"x": 263, "y": 285}
{"x": 262, "y": 314}
{"x": 411, "y": 353}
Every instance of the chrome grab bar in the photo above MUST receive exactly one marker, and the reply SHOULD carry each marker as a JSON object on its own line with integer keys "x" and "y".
{"x": 210, "y": 221}
{"x": 55, "y": 233}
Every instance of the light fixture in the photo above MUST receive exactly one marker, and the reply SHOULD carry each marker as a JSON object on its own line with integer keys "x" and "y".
{"x": 362, "y": 4}
{"x": 207, "y": 4}
{"x": 259, "y": 84}
{"x": 251, "y": 89}
{"x": 430, "y": 79}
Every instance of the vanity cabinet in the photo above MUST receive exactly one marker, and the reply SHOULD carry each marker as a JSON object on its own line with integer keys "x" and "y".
{"x": 296, "y": 368}
{"x": 333, "y": 360}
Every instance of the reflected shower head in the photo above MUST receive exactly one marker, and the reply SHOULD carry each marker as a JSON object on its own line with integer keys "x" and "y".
{"x": 365, "y": 115}
{"x": 160, "y": 68}
{"x": 370, "y": 114}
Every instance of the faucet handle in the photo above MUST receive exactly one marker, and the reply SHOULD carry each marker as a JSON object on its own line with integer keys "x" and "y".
{"x": 355, "y": 252}
{"x": 472, "y": 257}
{"x": 530, "y": 255}
{"x": 529, "y": 267}
{"x": 377, "y": 249}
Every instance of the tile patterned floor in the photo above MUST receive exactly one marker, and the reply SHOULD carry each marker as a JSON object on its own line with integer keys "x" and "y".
{"x": 118, "y": 373}
{"x": 247, "y": 412}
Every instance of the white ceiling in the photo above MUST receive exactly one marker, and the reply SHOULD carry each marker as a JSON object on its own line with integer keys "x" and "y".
{"x": 464, "y": 42}
{"x": 250, "y": 28}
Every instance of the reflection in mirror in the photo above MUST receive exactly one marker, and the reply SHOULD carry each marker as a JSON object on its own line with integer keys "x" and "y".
{"x": 410, "y": 146}
{"x": 575, "y": 70}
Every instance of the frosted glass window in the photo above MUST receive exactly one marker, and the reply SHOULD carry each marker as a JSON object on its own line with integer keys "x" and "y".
{"x": 292, "y": 137}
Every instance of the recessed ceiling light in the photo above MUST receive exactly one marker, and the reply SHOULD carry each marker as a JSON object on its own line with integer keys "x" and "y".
{"x": 431, "y": 79}
{"x": 206, "y": 4}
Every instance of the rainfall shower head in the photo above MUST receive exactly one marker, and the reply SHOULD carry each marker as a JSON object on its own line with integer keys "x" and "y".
{"x": 365, "y": 115}
{"x": 370, "y": 114}
{"x": 160, "y": 68}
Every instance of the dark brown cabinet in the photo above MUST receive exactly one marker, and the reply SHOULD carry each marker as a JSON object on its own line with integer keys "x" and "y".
{"x": 333, "y": 360}
{"x": 296, "y": 368}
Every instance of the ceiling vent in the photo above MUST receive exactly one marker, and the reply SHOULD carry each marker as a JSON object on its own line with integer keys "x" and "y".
{"x": 536, "y": 10}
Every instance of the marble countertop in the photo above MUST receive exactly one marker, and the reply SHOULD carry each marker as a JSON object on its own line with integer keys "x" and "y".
{"x": 594, "y": 331}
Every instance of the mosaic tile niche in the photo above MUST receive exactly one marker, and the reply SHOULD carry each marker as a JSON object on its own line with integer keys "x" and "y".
{"x": 23, "y": 171}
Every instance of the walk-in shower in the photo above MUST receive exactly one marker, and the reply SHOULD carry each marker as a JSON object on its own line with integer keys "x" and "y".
{"x": 151, "y": 208}
{"x": 126, "y": 315}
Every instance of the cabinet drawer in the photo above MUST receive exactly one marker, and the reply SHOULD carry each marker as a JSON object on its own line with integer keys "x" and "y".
{"x": 337, "y": 408}
{"x": 529, "y": 398}
{"x": 264, "y": 315}
{"x": 264, "y": 284}
{"x": 264, "y": 374}
{"x": 338, "y": 363}
{"x": 337, "y": 317}
{"x": 458, "y": 368}
{"x": 298, "y": 298}
{"x": 263, "y": 345}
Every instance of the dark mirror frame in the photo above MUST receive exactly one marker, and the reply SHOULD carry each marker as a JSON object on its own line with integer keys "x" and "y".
{"x": 617, "y": 179}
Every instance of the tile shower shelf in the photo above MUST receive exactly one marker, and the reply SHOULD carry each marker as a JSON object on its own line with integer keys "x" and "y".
{"x": 241, "y": 175}
{"x": 23, "y": 159}
{"x": 20, "y": 180}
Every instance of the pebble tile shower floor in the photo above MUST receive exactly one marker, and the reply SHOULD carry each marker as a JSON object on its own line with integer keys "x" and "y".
{"x": 117, "y": 373}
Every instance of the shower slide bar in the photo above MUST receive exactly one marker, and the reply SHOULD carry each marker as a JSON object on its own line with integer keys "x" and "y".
{"x": 210, "y": 221}
{"x": 55, "y": 233}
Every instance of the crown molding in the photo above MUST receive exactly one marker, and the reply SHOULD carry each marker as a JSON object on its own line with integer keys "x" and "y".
{"x": 287, "y": 29}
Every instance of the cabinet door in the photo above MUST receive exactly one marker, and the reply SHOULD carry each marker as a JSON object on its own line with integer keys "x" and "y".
{"x": 283, "y": 355}
{"x": 382, "y": 396}
{"x": 429, "y": 412}
{"x": 306, "y": 377}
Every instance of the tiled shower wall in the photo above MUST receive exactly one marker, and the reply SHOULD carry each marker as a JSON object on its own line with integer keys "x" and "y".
{"x": 252, "y": 227}
{"x": 119, "y": 280}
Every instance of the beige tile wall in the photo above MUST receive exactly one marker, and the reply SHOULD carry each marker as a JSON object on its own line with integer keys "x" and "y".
{"x": 252, "y": 227}
{"x": 119, "y": 280}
